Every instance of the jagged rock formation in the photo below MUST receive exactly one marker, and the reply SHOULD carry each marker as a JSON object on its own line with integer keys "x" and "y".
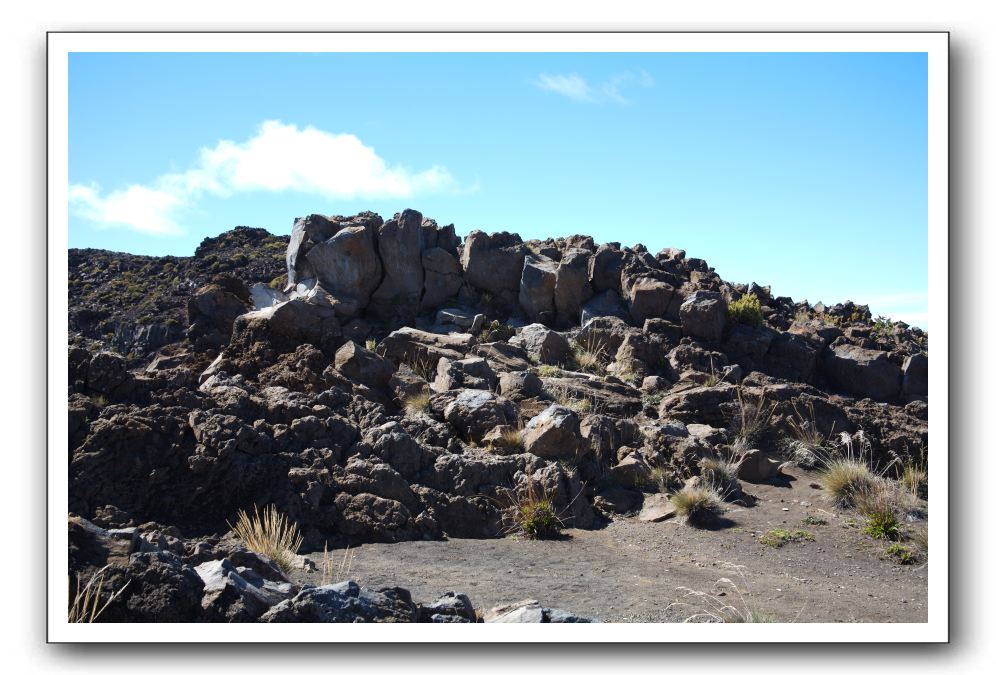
{"x": 399, "y": 384}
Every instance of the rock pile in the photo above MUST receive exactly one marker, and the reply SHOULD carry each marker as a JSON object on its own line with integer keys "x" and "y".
{"x": 399, "y": 382}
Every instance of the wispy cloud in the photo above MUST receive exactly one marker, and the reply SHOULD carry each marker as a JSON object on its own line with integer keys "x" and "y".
{"x": 577, "y": 88}
{"x": 279, "y": 157}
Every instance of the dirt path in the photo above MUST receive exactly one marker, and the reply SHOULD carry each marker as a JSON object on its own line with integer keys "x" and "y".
{"x": 632, "y": 571}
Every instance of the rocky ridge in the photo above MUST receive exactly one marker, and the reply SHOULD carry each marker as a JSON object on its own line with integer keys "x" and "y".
{"x": 401, "y": 384}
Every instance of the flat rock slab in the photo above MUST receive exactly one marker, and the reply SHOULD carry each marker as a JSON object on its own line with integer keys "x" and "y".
{"x": 656, "y": 508}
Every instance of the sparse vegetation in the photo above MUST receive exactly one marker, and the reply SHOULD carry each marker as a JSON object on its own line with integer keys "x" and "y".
{"x": 590, "y": 356}
{"x": 814, "y": 520}
{"x": 698, "y": 505}
{"x": 901, "y": 554}
{"x": 495, "y": 331}
{"x": 726, "y": 603}
{"x": 371, "y": 345}
{"x": 778, "y": 537}
{"x": 751, "y": 420}
{"x": 530, "y": 513}
{"x": 417, "y": 403}
{"x": 884, "y": 328}
{"x": 271, "y": 534}
{"x": 914, "y": 479}
{"x": 746, "y": 310}
{"x": 546, "y": 370}
{"x": 421, "y": 365}
{"x": 85, "y": 605}
{"x": 333, "y": 573}
{"x": 721, "y": 473}
{"x": 571, "y": 399}
{"x": 652, "y": 400}
{"x": 808, "y": 444}
{"x": 879, "y": 507}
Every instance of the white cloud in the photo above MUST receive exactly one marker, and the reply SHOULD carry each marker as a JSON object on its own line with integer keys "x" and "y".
{"x": 280, "y": 157}
{"x": 575, "y": 87}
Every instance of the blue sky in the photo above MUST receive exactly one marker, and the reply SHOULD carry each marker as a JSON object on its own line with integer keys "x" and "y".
{"x": 804, "y": 171}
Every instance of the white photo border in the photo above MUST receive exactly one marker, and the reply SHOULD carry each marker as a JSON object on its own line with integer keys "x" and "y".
{"x": 61, "y": 44}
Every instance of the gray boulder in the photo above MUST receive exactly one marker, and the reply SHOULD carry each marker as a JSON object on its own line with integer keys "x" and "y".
{"x": 475, "y": 412}
{"x": 106, "y": 372}
{"x": 539, "y": 279}
{"x": 443, "y": 277}
{"x": 493, "y": 262}
{"x": 348, "y": 267}
{"x": 543, "y": 344}
{"x": 399, "y": 243}
{"x": 703, "y": 315}
{"x": 915, "y": 375}
{"x": 307, "y": 232}
{"x": 572, "y": 289}
{"x": 554, "y": 434}
{"x": 530, "y": 611}
{"x": 605, "y": 269}
{"x": 862, "y": 372}
{"x": 647, "y": 298}
{"x": 470, "y": 373}
{"x": 345, "y": 602}
{"x": 519, "y": 384}
{"x": 361, "y": 365}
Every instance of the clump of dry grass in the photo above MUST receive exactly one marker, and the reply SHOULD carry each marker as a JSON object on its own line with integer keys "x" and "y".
{"x": 699, "y": 505}
{"x": 808, "y": 444}
{"x": 421, "y": 365}
{"x": 530, "y": 513}
{"x": 371, "y": 345}
{"x": 591, "y": 356}
{"x": 582, "y": 405}
{"x": 271, "y": 534}
{"x": 417, "y": 403}
{"x": 751, "y": 420}
{"x": 85, "y": 605}
{"x": 846, "y": 472}
{"x": 914, "y": 479}
{"x": 333, "y": 573}
{"x": 727, "y": 602}
{"x": 882, "y": 505}
{"x": 496, "y": 331}
{"x": 721, "y": 473}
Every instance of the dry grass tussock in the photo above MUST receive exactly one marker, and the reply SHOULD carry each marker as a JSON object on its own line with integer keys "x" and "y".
{"x": 751, "y": 420}
{"x": 271, "y": 534}
{"x": 591, "y": 356}
{"x": 531, "y": 514}
{"x": 729, "y": 601}
{"x": 568, "y": 398}
{"x": 332, "y": 572}
{"x": 699, "y": 505}
{"x": 808, "y": 443}
{"x": 846, "y": 471}
{"x": 85, "y": 605}
{"x": 417, "y": 403}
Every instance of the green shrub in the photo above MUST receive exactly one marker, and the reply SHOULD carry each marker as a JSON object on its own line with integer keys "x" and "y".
{"x": 778, "y": 537}
{"x": 746, "y": 310}
{"x": 901, "y": 554}
{"x": 531, "y": 514}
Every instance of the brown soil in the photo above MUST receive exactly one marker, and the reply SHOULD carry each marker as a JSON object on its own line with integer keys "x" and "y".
{"x": 635, "y": 571}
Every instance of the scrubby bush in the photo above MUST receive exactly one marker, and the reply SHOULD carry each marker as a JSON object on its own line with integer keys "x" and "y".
{"x": 746, "y": 310}
{"x": 531, "y": 514}
{"x": 698, "y": 504}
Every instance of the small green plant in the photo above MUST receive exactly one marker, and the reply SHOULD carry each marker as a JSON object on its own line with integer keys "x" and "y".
{"x": 778, "y": 537}
{"x": 883, "y": 329}
{"x": 495, "y": 331}
{"x": 546, "y": 370}
{"x": 531, "y": 514}
{"x": 901, "y": 554}
{"x": 99, "y": 400}
{"x": 814, "y": 520}
{"x": 698, "y": 505}
{"x": 271, "y": 534}
{"x": 746, "y": 310}
{"x": 652, "y": 400}
{"x": 879, "y": 509}
{"x": 417, "y": 403}
{"x": 371, "y": 345}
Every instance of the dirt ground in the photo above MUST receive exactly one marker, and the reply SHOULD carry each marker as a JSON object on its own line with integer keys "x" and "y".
{"x": 635, "y": 571}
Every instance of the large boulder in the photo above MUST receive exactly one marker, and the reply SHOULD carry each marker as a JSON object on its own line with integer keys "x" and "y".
{"x": 915, "y": 375}
{"x": 233, "y": 595}
{"x": 539, "y": 279}
{"x": 553, "y": 434}
{"x": 646, "y": 297}
{"x": 703, "y": 315}
{"x": 157, "y": 588}
{"x": 411, "y": 345}
{"x": 363, "y": 366}
{"x": 862, "y": 372}
{"x": 542, "y": 344}
{"x": 605, "y": 268}
{"x": 606, "y": 303}
{"x": 348, "y": 267}
{"x": 107, "y": 371}
{"x": 443, "y": 277}
{"x": 399, "y": 243}
{"x": 493, "y": 262}
{"x": 307, "y": 232}
{"x": 290, "y": 324}
{"x": 469, "y": 373}
{"x": 474, "y": 412}
{"x": 212, "y": 310}
{"x": 792, "y": 356}
{"x": 572, "y": 289}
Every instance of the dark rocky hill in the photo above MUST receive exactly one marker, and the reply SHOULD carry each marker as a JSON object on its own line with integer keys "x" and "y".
{"x": 385, "y": 381}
